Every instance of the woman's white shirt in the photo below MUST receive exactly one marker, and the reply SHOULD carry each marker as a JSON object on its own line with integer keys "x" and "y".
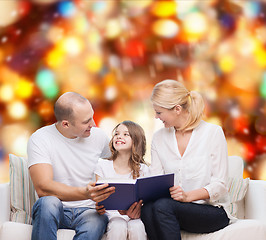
{"x": 204, "y": 163}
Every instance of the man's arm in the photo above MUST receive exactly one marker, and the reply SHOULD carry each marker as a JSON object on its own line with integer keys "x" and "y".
{"x": 42, "y": 178}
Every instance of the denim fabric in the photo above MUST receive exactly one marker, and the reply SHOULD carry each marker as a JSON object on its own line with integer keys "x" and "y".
{"x": 165, "y": 218}
{"x": 49, "y": 215}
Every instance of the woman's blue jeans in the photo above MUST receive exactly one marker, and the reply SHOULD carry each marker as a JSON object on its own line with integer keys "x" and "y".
{"x": 49, "y": 215}
{"x": 165, "y": 218}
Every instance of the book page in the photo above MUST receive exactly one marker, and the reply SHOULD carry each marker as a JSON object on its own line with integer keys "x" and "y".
{"x": 116, "y": 180}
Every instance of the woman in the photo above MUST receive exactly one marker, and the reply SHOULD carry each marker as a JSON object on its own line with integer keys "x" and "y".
{"x": 196, "y": 151}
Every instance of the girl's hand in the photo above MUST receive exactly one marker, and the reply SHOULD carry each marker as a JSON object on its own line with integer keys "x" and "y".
{"x": 134, "y": 211}
{"x": 178, "y": 194}
{"x": 100, "y": 209}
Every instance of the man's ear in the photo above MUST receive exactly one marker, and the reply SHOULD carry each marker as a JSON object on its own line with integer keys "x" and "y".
{"x": 178, "y": 109}
{"x": 65, "y": 124}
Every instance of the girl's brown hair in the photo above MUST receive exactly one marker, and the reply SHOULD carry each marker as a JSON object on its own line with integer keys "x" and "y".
{"x": 137, "y": 135}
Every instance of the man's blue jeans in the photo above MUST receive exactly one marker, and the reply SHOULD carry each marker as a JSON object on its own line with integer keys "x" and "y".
{"x": 165, "y": 218}
{"x": 49, "y": 215}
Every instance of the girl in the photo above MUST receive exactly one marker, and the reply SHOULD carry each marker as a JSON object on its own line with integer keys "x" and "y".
{"x": 128, "y": 147}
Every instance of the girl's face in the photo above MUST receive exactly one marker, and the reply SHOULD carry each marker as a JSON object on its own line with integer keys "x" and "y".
{"x": 122, "y": 140}
{"x": 168, "y": 117}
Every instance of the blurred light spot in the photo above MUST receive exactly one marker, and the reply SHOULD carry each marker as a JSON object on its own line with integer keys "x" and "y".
{"x": 66, "y": 8}
{"x": 251, "y": 9}
{"x": 185, "y": 8}
{"x": 55, "y": 58}
{"x": 164, "y": 9}
{"x": 46, "y": 110}
{"x": 249, "y": 152}
{"x": 94, "y": 37}
{"x": 110, "y": 93}
{"x": 19, "y": 146}
{"x": 94, "y": 63}
{"x": 44, "y": 1}
{"x": 108, "y": 124}
{"x": 24, "y": 88}
{"x": 55, "y": 34}
{"x": 17, "y": 110}
{"x": 15, "y": 138}
{"x": 246, "y": 45}
{"x": 72, "y": 45}
{"x": 227, "y": 63}
{"x": 235, "y": 147}
{"x": 6, "y": 93}
{"x": 165, "y": 28}
{"x": 46, "y": 82}
{"x": 260, "y": 55}
{"x": 263, "y": 86}
{"x": 81, "y": 24}
{"x": 262, "y": 168}
{"x": 113, "y": 28}
{"x": 4, "y": 39}
{"x": 8, "y": 12}
{"x": 215, "y": 120}
{"x": 139, "y": 3}
{"x": 260, "y": 125}
{"x": 195, "y": 25}
{"x": 99, "y": 6}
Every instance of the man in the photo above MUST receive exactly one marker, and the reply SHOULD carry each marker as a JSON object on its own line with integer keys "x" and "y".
{"x": 62, "y": 158}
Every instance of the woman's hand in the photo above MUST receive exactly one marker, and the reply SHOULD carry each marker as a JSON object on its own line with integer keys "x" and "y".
{"x": 100, "y": 209}
{"x": 178, "y": 194}
{"x": 134, "y": 211}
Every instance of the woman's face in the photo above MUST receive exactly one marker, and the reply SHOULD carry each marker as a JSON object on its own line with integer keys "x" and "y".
{"x": 122, "y": 140}
{"x": 168, "y": 117}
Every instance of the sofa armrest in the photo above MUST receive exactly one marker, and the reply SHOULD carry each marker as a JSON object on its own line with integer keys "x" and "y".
{"x": 4, "y": 202}
{"x": 255, "y": 200}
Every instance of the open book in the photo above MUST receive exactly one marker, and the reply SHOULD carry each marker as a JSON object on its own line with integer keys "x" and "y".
{"x": 128, "y": 191}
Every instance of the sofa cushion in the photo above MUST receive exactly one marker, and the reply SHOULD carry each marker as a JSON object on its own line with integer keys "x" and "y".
{"x": 237, "y": 188}
{"x": 22, "y": 192}
{"x": 240, "y": 230}
{"x": 13, "y": 230}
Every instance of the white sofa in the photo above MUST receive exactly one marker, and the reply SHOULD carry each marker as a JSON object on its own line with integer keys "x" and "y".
{"x": 252, "y": 209}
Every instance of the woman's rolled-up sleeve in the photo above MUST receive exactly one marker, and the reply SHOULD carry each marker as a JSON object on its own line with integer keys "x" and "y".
{"x": 219, "y": 166}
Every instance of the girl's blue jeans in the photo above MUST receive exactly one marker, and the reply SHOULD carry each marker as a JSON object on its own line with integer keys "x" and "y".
{"x": 49, "y": 215}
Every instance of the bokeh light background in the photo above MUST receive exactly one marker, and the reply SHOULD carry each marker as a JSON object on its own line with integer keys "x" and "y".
{"x": 113, "y": 52}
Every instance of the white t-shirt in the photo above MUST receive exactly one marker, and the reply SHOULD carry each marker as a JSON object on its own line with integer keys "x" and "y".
{"x": 204, "y": 163}
{"x": 105, "y": 169}
{"x": 73, "y": 160}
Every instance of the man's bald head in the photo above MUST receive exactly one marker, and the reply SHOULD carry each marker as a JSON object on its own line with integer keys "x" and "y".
{"x": 64, "y": 106}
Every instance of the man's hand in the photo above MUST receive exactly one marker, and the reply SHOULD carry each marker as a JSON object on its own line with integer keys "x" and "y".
{"x": 100, "y": 209}
{"x": 134, "y": 211}
{"x": 100, "y": 192}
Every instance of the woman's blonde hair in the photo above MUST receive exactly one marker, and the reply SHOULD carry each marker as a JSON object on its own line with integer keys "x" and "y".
{"x": 137, "y": 135}
{"x": 169, "y": 93}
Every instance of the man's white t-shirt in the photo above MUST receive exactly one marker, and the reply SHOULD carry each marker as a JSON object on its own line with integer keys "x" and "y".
{"x": 73, "y": 160}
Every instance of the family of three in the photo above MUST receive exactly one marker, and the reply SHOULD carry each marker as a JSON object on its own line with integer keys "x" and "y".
{"x": 66, "y": 159}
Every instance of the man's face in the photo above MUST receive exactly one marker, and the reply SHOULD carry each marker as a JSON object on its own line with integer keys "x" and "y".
{"x": 82, "y": 121}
